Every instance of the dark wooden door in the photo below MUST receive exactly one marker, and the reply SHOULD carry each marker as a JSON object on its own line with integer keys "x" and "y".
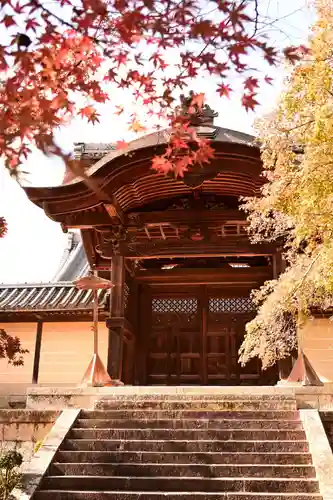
{"x": 227, "y": 318}
{"x": 195, "y": 338}
{"x": 175, "y": 344}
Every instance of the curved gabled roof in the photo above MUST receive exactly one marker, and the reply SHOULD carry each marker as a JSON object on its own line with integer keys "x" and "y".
{"x": 235, "y": 170}
{"x": 124, "y": 182}
{"x": 158, "y": 138}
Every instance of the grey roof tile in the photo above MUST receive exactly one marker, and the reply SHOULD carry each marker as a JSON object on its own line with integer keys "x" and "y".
{"x": 57, "y": 296}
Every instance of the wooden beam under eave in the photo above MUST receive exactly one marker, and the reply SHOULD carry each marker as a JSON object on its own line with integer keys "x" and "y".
{"x": 89, "y": 219}
{"x": 251, "y": 275}
{"x": 114, "y": 209}
{"x": 84, "y": 220}
{"x": 186, "y": 216}
{"x": 229, "y": 246}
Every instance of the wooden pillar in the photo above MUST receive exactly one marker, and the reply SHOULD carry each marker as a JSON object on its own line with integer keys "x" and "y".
{"x": 203, "y": 312}
{"x": 38, "y": 345}
{"x": 143, "y": 330}
{"x": 116, "y": 333}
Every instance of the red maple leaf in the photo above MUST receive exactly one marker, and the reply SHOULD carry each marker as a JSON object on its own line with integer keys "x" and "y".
{"x": 270, "y": 54}
{"x": 268, "y": 80}
{"x": 224, "y": 90}
{"x": 19, "y": 7}
{"x": 181, "y": 165}
{"x": 249, "y": 102}
{"x": 251, "y": 84}
{"x": 32, "y": 24}
{"x": 137, "y": 127}
{"x": 8, "y": 21}
{"x": 121, "y": 58}
{"x": 237, "y": 14}
{"x": 90, "y": 113}
{"x": 203, "y": 28}
{"x": 120, "y": 110}
{"x": 294, "y": 54}
{"x": 121, "y": 144}
{"x": 162, "y": 164}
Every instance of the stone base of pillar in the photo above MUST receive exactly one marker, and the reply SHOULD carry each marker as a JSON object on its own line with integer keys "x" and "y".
{"x": 96, "y": 375}
{"x": 302, "y": 373}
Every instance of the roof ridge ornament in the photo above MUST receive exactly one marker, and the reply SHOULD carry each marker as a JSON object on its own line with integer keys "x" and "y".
{"x": 201, "y": 117}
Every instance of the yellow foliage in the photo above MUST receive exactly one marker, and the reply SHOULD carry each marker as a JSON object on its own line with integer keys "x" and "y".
{"x": 297, "y": 201}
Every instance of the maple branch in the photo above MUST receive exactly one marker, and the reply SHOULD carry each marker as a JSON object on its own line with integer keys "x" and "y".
{"x": 38, "y": 5}
{"x": 63, "y": 22}
{"x": 256, "y": 19}
{"x": 298, "y": 286}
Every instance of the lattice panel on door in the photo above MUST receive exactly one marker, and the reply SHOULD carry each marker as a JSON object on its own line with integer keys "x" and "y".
{"x": 230, "y": 305}
{"x": 182, "y": 306}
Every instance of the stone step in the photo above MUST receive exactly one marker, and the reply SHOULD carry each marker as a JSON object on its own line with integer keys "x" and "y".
{"x": 200, "y": 404}
{"x": 155, "y": 495}
{"x": 184, "y": 457}
{"x": 188, "y": 413}
{"x": 203, "y": 423}
{"x": 203, "y": 396}
{"x": 185, "y": 446}
{"x": 182, "y": 470}
{"x": 178, "y": 484}
{"x": 187, "y": 434}
{"x": 206, "y": 393}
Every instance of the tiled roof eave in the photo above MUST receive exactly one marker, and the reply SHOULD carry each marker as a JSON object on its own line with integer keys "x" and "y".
{"x": 60, "y": 297}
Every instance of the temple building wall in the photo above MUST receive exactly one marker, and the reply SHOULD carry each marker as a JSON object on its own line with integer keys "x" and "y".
{"x": 66, "y": 349}
{"x": 19, "y": 374}
{"x": 317, "y": 341}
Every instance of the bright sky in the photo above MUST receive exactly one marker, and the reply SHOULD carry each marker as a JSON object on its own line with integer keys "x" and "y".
{"x": 32, "y": 249}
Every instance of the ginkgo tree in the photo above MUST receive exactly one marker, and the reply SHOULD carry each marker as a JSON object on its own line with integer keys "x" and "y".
{"x": 296, "y": 205}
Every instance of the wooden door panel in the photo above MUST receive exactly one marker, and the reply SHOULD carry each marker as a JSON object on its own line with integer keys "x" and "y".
{"x": 175, "y": 346}
{"x": 226, "y": 326}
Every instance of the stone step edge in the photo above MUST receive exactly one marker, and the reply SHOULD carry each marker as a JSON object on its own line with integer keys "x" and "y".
{"x": 188, "y": 493}
{"x": 167, "y": 494}
{"x": 200, "y": 399}
{"x": 148, "y": 420}
{"x": 273, "y": 414}
{"x": 305, "y": 471}
{"x": 257, "y": 402}
{"x": 117, "y": 409}
{"x": 136, "y": 429}
{"x": 178, "y": 464}
{"x": 188, "y": 440}
{"x": 182, "y": 478}
{"x": 197, "y": 394}
{"x": 296, "y": 453}
{"x": 185, "y": 413}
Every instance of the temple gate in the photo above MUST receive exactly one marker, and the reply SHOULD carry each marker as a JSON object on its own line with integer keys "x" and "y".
{"x": 178, "y": 255}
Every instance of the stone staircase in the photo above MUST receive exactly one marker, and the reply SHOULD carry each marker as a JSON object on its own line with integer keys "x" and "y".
{"x": 184, "y": 447}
